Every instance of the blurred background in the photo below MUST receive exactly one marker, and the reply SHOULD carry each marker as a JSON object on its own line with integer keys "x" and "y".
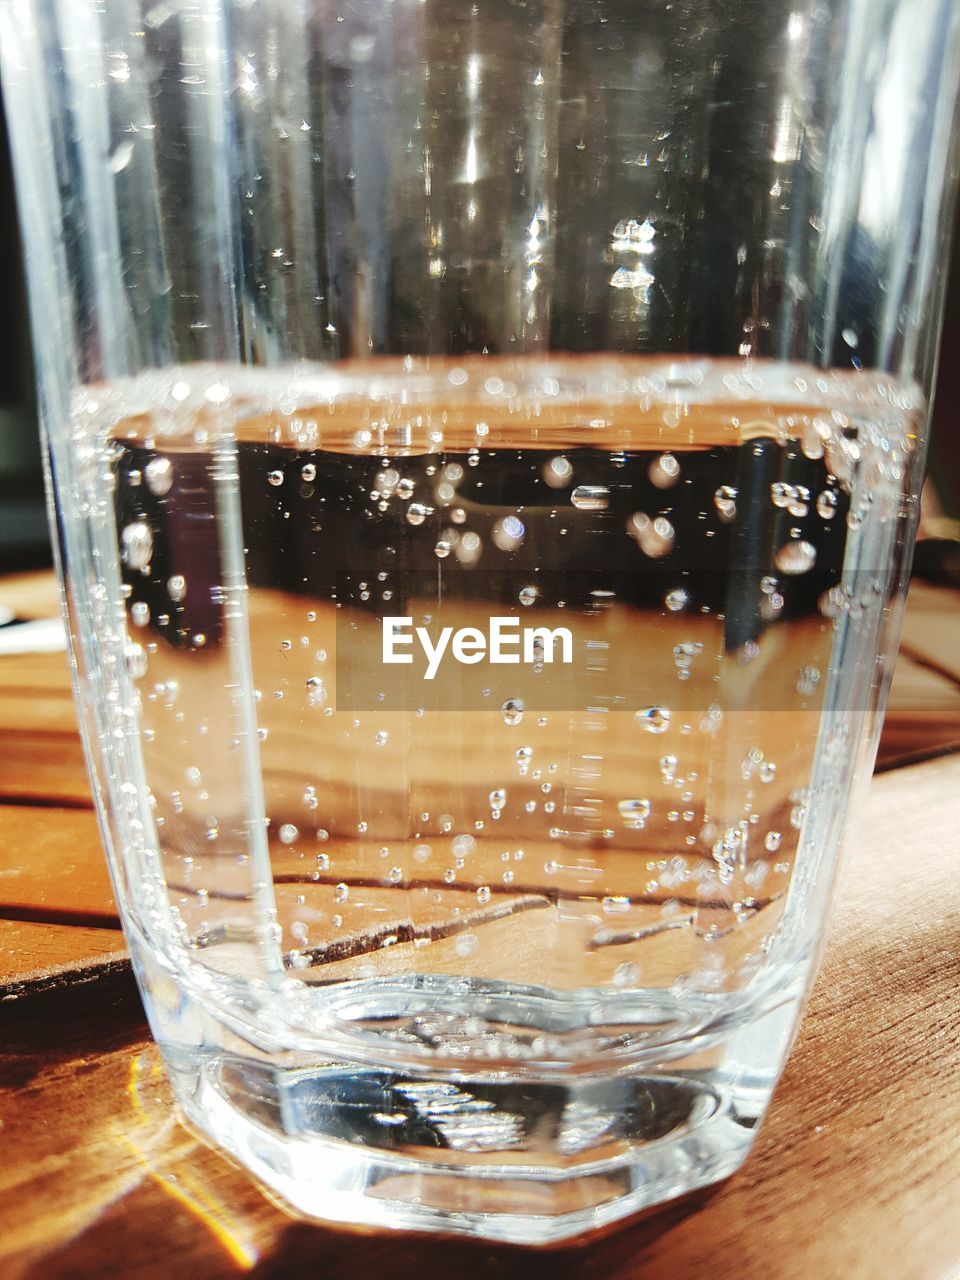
{"x": 24, "y": 541}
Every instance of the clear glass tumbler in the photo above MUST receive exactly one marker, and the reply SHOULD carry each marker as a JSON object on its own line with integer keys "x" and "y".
{"x": 484, "y": 441}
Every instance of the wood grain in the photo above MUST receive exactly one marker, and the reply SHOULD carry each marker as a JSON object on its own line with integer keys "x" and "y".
{"x": 853, "y": 1176}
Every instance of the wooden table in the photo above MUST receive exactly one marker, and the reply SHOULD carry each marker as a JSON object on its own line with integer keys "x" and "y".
{"x": 856, "y": 1173}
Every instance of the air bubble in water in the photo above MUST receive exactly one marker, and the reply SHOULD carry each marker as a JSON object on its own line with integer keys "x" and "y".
{"x": 177, "y": 587}
{"x": 497, "y": 798}
{"x": 725, "y": 501}
{"x": 308, "y": 472}
{"x": 558, "y": 472}
{"x": 512, "y": 711}
{"x": 137, "y": 543}
{"x": 381, "y": 738}
{"x": 469, "y": 547}
{"x": 316, "y": 693}
{"x": 827, "y": 504}
{"x": 341, "y": 892}
{"x": 140, "y": 613}
{"x": 417, "y": 513}
{"x": 405, "y": 488}
{"x": 800, "y": 502}
{"x": 796, "y": 557}
{"x": 590, "y": 497}
{"x": 508, "y": 533}
{"x": 158, "y": 474}
{"x": 634, "y": 810}
{"x": 655, "y": 538}
{"x": 462, "y": 845}
{"x": 275, "y": 478}
{"x": 772, "y": 841}
{"x": 808, "y": 678}
{"x": 288, "y": 833}
{"x": 626, "y": 974}
{"x": 483, "y": 894}
{"x": 395, "y": 875}
{"x": 653, "y": 719}
{"x": 136, "y": 661}
{"x": 676, "y": 600}
{"x": 615, "y": 905}
{"x": 664, "y": 472}
{"x": 528, "y": 595}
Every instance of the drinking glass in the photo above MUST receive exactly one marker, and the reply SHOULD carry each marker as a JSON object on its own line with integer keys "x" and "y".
{"x": 484, "y": 442}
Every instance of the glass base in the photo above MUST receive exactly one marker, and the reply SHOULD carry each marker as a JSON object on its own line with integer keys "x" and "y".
{"x": 346, "y": 1144}
{"x": 484, "y": 1151}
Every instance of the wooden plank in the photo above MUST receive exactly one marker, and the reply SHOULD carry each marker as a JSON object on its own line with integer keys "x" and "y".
{"x": 52, "y": 867}
{"x": 36, "y": 956}
{"x": 931, "y": 628}
{"x": 853, "y": 1176}
{"x": 923, "y": 714}
{"x": 45, "y": 768}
